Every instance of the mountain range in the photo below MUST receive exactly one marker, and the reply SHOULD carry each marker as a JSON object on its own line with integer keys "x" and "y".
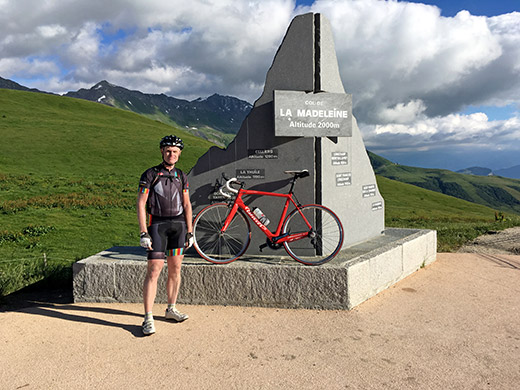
{"x": 216, "y": 118}
{"x": 512, "y": 172}
{"x": 8, "y": 84}
{"x": 53, "y": 120}
{"x": 499, "y": 193}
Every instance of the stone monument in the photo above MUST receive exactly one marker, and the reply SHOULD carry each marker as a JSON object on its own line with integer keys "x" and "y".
{"x": 283, "y": 132}
{"x": 303, "y": 120}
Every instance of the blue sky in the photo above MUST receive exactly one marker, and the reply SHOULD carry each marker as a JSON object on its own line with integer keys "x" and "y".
{"x": 452, "y": 7}
{"x": 476, "y": 7}
{"x": 434, "y": 83}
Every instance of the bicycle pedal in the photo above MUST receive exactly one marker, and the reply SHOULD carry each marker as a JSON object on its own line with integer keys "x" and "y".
{"x": 262, "y": 247}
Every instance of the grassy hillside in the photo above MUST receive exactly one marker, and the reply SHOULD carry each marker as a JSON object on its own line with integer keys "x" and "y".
{"x": 497, "y": 192}
{"x": 219, "y": 138}
{"x": 456, "y": 221}
{"x": 53, "y": 135}
{"x": 68, "y": 180}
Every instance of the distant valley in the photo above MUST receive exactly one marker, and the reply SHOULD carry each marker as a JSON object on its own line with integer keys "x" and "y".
{"x": 496, "y": 192}
{"x": 512, "y": 172}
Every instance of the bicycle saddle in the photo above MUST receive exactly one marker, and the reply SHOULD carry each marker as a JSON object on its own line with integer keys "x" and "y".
{"x": 298, "y": 174}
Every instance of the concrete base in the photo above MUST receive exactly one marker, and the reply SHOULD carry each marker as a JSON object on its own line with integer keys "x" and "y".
{"x": 356, "y": 274}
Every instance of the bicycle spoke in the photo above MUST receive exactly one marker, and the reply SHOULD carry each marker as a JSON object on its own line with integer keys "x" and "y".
{"x": 213, "y": 244}
{"x": 324, "y": 240}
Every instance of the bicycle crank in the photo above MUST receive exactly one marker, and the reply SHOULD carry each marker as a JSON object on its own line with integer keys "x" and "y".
{"x": 270, "y": 244}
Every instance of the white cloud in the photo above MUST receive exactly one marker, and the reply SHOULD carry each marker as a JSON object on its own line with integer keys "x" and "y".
{"x": 84, "y": 45}
{"x": 410, "y": 70}
{"x": 403, "y": 113}
{"x": 51, "y": 31}
{"x": 407, "y": 51}
{"x": 230, "y": 44}
{"x": 159, "y": 79}
{"x": 452, "y": 130}
{"x": 28, "y": 68}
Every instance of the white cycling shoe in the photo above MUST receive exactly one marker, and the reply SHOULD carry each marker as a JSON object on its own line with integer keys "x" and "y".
{"x": 176, "y": 315}
{"x": 148, "y": 327}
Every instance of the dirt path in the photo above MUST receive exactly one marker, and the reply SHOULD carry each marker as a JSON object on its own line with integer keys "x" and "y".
{"x": 505, "y": 242}
{"x": 452, "y": 325}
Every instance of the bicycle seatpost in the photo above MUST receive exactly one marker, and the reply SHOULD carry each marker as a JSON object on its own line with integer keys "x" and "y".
{"x": 293, "y": 181}
{"x": 297, "y": 175}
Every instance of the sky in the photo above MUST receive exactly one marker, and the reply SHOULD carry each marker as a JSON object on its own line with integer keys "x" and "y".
{"x": 434, "y": 83}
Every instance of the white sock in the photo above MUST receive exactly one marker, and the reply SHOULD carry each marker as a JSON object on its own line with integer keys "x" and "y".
{"x": 148, "y": 316}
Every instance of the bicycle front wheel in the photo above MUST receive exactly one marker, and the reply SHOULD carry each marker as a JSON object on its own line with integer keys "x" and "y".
{"x": 325, "y": 236}
{"x": 211, "y": 243}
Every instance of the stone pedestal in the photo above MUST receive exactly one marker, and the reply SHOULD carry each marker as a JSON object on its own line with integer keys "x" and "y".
{"x": 356, "y": 274}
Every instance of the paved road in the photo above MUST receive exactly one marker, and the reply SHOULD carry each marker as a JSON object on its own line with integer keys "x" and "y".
{"x": 453, "y": 325}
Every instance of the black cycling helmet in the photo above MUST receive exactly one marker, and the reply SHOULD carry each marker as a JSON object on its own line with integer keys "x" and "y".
{"x": 171, "y": 140}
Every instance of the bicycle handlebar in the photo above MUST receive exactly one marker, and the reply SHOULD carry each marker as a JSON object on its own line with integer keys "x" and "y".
{"x": 231, "y": 181}
{"x": 228, "y": 184}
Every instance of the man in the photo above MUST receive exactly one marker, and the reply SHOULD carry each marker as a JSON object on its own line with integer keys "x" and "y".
{"x": 164, "y": 196}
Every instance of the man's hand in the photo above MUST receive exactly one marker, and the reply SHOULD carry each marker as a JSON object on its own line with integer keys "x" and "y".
{"x": 146, "y": 241}
{"x": 189, "y": 240}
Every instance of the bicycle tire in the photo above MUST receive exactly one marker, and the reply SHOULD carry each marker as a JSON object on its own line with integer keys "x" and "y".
{"x": 214, "y": 246}
{"x": 324, "y": 245}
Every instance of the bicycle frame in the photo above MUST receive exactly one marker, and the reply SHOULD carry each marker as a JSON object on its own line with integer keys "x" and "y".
{"x": 274, "y": 237}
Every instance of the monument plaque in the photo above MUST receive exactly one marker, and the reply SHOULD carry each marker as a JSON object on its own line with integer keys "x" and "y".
{"x": 268, "y": 154}
{"x": 377, "y": 206}
{"x": 369, "y": 190}
{"x": 343, "y": 179}
{"x": 339, "y": 158}
{"x": 250, "y": 173}
{"x": 300, "y": 114}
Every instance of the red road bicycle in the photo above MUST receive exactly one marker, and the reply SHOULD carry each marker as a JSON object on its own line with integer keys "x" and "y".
{"x": 311, "y": 234}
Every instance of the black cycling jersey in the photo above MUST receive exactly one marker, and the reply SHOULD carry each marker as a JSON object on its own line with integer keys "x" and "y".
{"x": 165, "y": 190}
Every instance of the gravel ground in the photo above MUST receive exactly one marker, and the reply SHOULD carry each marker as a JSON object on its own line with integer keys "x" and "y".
{"x": 453, "y": 325}
{"x": 505, "y": 242}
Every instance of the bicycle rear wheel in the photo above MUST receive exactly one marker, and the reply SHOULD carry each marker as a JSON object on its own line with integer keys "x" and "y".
{"x": 325, "y": 238}
{"x": 211, "y": 243}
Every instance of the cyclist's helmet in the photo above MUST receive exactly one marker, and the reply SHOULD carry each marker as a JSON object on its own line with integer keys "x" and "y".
{"x": 171, "y": 140}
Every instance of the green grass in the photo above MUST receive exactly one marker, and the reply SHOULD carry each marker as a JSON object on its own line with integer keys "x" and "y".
{"x": 69, "y": 170}
{"x": 52, "y": 135}
{"x": 79, "y": 219}
{"x": 497, "y": 192}
{"x": 456, "y": 221}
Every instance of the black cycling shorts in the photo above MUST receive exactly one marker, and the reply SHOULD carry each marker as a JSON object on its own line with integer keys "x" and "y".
{"x": 168, "y": 236}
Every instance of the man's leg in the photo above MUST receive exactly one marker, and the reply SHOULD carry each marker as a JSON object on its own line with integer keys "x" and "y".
{"x": 172, "y": 287}
{"x": 149, "y": 291}
{"x": 150, "y": 283}
{"x": 174, "y": 278}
